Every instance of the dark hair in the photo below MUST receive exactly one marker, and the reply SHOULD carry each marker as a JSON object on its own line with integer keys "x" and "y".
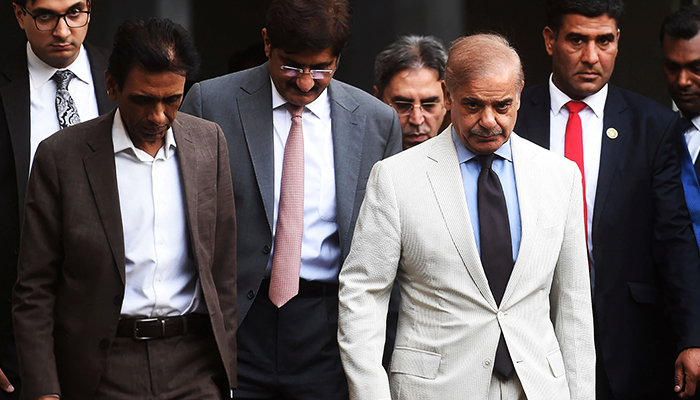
{"x": 406, "y": 52}
{"x": 682, "y": 24}
{"x": 557, "y": 9}
{"x": 23, "y": 3}
{"x": 156, "y": 45}
{"x": 300, "y": 25}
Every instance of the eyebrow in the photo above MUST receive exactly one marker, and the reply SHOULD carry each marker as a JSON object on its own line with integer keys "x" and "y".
{"x": 432, "y": 99}
{"x": 292, "y": 63}
{"x": 575, "y": 35}
{"x": 692, "y": 63}
{"x": 43, "y": 10}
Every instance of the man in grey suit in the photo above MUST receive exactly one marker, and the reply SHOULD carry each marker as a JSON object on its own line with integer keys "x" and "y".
{"x": 287, "y": 347}
{"x": 127, "y": 274}
{"x": 484, "y": 232}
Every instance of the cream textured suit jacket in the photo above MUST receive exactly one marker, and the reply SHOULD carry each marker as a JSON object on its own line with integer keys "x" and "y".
{"x": 414, "y": 225}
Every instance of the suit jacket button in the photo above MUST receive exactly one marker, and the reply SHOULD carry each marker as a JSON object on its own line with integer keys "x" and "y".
{"x": 104, "y": 343}
{"x": 266, "y": 249}
{"x": 487, "y": 363}
{"x": 251, "y": 294}
{"x": 117, "y": 300}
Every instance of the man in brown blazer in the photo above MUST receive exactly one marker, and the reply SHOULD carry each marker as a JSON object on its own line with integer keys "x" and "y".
{"x": 127, "y": 276}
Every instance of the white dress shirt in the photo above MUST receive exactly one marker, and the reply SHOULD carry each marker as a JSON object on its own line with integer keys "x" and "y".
{"x": 161, "y": 277}
{"x": 692, "y": 138}
{"x": 320, "y": 247}
{"x": 592, "y": 127}
{"x": 42, "y": 95}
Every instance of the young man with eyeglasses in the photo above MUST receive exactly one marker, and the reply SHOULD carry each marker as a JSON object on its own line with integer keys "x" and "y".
{"x": 408, "y": 75}
{"x": 301, "y": 146}
{"x": 55, "y": 30}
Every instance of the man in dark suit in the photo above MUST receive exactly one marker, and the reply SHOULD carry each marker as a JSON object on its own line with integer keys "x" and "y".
{"x": 645, "y": 267}
{"x": 127, "y": 273}
{"x": 680, "y": 44}
{"x": 288, "y": 283}
{"x": 28, "y": 115}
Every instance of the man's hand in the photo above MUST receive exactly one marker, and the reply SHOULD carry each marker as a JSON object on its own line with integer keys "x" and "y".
{"x": 5, "y": 383}
{"x": 687, "y": 372}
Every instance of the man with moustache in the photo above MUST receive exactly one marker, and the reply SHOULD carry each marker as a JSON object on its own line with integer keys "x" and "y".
{"x": 484, "y": 232}
{"x": 301, "y": 147}
{"x": 644, "y": 262}
{"x": 32, "y": 76}
{"x": 408, "y": 76}
{"x": 127, "y": 273}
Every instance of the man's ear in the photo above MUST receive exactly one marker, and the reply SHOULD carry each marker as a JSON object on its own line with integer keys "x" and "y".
{"x": 549, "y": 38}
{"x": 446, "y": 96}
{"x": 19, "y": 15}
{"x": 112, "y": 87}
{"x": 268, "y": 44}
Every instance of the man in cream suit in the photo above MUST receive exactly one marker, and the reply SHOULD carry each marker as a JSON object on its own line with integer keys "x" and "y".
{"x": 476, "y": 322}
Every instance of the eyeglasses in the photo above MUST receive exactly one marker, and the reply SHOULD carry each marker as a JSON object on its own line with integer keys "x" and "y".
{"x": 406, "y": 107}
{"x": 48, "y": 22}
{"x": 291, "y": 72}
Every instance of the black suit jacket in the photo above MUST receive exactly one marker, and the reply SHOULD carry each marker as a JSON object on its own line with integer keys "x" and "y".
{"x": 14, "y": 160}
{"x": 647, "y": 266}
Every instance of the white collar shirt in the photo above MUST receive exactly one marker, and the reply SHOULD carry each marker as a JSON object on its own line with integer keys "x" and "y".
{"x": 161, "y": 277}
{"x": 42, "y": 95}
{"x": 592, "y": 128}
{"x": 692, "y": 138}
{"x": 320, "y": 249}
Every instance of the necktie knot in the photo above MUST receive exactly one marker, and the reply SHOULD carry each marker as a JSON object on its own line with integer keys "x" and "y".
{"x": 575, "y": 106}
{"x": 486, "y": 160}
{"x": 294, "y": 110}
{"x": 63, "y": 78}
{"x": 686, "y": 124}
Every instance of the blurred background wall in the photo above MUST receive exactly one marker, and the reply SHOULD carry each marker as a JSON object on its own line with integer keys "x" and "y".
{"x": 227, "y": 32}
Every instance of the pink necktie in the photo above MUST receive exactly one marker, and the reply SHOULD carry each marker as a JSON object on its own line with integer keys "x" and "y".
{"x": 573, "y": 148}
{"x": 286, "y": 260}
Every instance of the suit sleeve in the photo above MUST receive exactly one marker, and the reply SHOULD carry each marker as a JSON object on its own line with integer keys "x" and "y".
{"x": 570, "y": 300}
{"x": 394, "y": 144}
{"x": 680, "y": 268}
{"x": 39, "y": 270}
{"x": 365, "y": 287}
{"x": 224, "y": 261}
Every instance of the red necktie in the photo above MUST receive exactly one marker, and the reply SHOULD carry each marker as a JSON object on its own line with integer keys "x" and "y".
{"x": 286, "y": 260}
{"x": 573, "y": 149}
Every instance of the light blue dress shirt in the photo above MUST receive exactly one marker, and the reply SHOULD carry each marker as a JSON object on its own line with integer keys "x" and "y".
{"x": 503, "y": 166}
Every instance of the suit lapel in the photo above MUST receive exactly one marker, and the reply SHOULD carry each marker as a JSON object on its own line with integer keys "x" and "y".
{"x": 15, "y": 99}
{"x": 612, "y": 149}
{"x": 445, "y": 179}
{"x": 537, "y": 124}
{"x": 256, "y": 117}
{"x": 348, "y": 131}
{"x": 101, "y": 171}
{"x": 526, "y": 182}
{"x": 188, "y": 166}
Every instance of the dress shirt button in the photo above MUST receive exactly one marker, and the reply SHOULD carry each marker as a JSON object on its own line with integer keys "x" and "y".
{"x": 17, "y": 251}
{"x": 487, "y": 363}
{"x": 159, "y": 312}
{"x": 117, "y": 300}
{"x": 104, "y": 343}
{"x": 500, "y": 315}
{"x": 251, "y": 294}
{"x": 266, "y": 249}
